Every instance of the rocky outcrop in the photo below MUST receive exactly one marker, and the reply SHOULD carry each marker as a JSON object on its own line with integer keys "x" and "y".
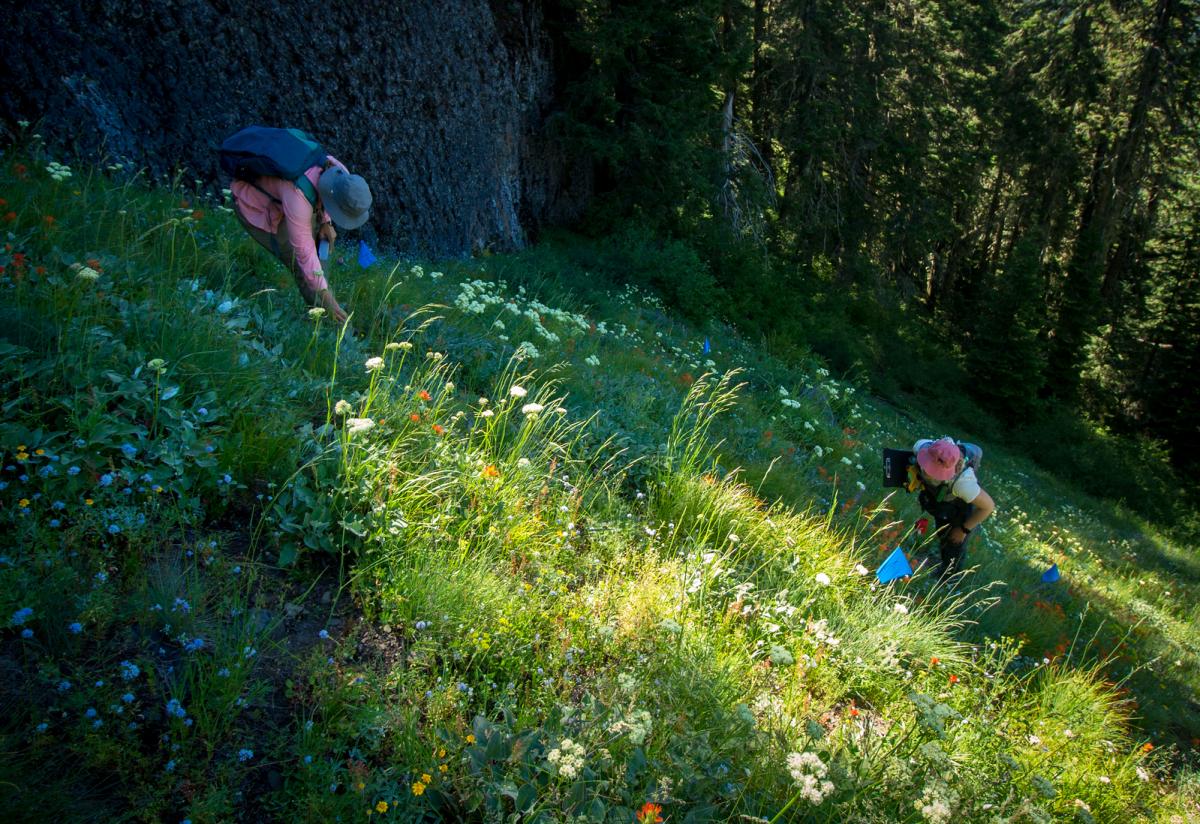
{"x": 440, "y": 104}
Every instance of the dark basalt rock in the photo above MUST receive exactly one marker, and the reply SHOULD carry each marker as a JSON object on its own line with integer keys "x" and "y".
{"x": 440, "y": 104}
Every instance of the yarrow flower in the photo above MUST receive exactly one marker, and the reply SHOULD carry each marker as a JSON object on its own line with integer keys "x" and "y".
{"x": 567, "y": 758}
{"x": 823, "y": 579}
{"x": 531, "y": 408}
{"x": 342, "y": 408}
{"x": 809, "y": 772}
{"x": 374, "y": 364}
{"x": 517, "y": 391}
{"x": 356, "y": 426}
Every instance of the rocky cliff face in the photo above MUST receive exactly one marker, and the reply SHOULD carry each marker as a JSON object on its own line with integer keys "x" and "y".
{"x": 440, "y": 104}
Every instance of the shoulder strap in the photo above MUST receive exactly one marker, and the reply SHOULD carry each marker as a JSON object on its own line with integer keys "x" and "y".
{"x": 307, "y": 189}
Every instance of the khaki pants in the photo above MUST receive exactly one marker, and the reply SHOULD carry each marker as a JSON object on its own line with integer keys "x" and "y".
{"x": 280, "y": 245}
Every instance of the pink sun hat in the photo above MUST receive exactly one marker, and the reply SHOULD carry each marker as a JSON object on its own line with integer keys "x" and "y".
{"x": 939, "y": 460}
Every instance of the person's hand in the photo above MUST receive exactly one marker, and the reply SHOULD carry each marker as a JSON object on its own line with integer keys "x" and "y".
{"x": 329, "y": 302}
{"x": 956, "y": 535}
{"x": 328, "y": 233}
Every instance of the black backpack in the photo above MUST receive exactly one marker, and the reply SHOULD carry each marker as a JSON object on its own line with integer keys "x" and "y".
{"x": 258, "y": 151}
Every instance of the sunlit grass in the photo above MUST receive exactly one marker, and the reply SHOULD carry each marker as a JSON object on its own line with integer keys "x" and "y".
{"x": 522, "y": 546}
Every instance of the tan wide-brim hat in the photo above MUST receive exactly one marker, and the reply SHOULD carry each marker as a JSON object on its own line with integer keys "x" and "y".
{"x": 346, "y": 197}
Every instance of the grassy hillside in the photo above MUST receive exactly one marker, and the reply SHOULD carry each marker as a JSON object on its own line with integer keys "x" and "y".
{"x": 501, "y": 554}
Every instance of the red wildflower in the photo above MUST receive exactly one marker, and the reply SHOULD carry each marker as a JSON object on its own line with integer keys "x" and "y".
{"x": 50, "y": 220}
{"x": 650, "y": 813}
{"x": 198, "y": 214}
{"x": 922, "y": 526}
{"x": 1147, "y": 747}
{"x": 490, "y": 471}
{"x": 18, "y": 259}
{"x": 41, "y": 270}
{"x": 438, "y": 429}
{"x": 95, "y": 264}
{"x": 414, "y": 417}
{"x": 953, "y": 679}
{"x": 934, "y": 661}
{"x": 20, "y": 170}
{"x": 423, "y": 395}
{"x": 9, "y": 217}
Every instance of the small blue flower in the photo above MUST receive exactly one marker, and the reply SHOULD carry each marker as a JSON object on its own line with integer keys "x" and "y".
{"x": 106, "y": 479}
{"x": 245, "y": 755}
{"x": 237, "y": 570}
{"x": 64, "y": 685}
{"x": 21, "y": 616}
{"x": 171, "y": 765}
{"x": 100, "y": 683}
{"x": 55, "y": 523}
{"x": 91, "y": 713}
{"x": 194, "y": 645}
{"x": 187, "y": 722}
{"x": 98, "y": 723}
{"x": 174, "y": 708}
{"x": 223, "y": 672}
{"x": 42, "y": 727}
{"x": 74, "y": 470}
{"x": 75, "y": 628}
{"x": 129, "y": 670}
{"x": 210, "y": 448}
{"x": 80, "y": 443}
{"x": 323, "y": 635}
{"x": 202, "y": 411}
{"x": 59, "y": 505}
{"x": 129, "y": 451}
{"x": 26, "y": 634}
{"x": 113, "y": 529}
{"x": 308, "y": 759}
{"x": 127, "y": 698}
{"x": 101, "y": 577}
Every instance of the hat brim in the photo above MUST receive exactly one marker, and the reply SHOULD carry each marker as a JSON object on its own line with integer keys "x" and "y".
{"x": 933, "y": 469}
{"x": 340, "y": 218}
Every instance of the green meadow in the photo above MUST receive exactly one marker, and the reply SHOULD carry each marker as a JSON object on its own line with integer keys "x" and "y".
{"x": 516, "y": 549}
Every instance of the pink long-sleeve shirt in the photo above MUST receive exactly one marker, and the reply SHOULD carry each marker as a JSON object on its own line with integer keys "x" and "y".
{"x": 290, "y": 204}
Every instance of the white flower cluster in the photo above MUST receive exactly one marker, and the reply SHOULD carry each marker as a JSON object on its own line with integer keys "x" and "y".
{"x": 937, "y": 802}
{"x": 525, "y": 349}
{"x": 59, "y": 171}
{"x": 592, "y": 360}
{"x": 85, "y": 272}
{"x": 819, "y": 630}
{"x": 357, "y": 426}
{"x": 475, "y": 296}
{"x": 638, "y": 726}
{"x": 342, "y": 408}
{"x": 374, "y": 364}
{"x": 567, "y": 758}
{"x": 809, "y": 772}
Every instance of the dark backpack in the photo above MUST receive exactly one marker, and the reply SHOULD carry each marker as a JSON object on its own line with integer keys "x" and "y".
{"x": 258, "y": 151}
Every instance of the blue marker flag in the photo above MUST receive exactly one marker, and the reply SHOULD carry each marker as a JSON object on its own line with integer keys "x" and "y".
{"x": 1051, "y": 575}
{"x": 365, "y": 258}
{"x": 707, "y": 347}
{"x": 896, "y": 566}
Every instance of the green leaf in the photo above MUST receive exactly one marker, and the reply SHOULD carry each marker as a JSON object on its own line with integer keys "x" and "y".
{"x": 526, "y": 797}
{"x": 288, "y": 555}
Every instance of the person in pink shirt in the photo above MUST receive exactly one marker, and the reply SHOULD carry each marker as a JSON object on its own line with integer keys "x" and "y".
{"x": 279, "y": 217}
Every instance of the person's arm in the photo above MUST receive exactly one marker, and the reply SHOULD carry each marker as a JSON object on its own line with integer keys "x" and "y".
{"x": 982, "y": 508}
{"x": 298, "y": 215}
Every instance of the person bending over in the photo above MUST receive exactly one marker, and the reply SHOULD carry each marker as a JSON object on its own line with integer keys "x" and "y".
{"x": 950, "y": 492}
{"x": 280, "y": 217}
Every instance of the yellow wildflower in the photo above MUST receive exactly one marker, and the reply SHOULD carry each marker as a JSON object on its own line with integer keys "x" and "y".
{"x": 470, "y": 739}
{"x": 441, "y": 753}
{"x": 24, "y": 502}
{"x": 426, "y": 778}
{"x": 39, "y": 452}
{"x": 418, "y": 788}
{"x": 360, "y": 786}
{"x": 88, "y": 501}
{"x": 442, "y": 768}
{"x": 381, "y": 807}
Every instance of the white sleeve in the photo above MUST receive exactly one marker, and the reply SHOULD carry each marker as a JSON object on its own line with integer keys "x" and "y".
{"x": 967, "y": 486}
